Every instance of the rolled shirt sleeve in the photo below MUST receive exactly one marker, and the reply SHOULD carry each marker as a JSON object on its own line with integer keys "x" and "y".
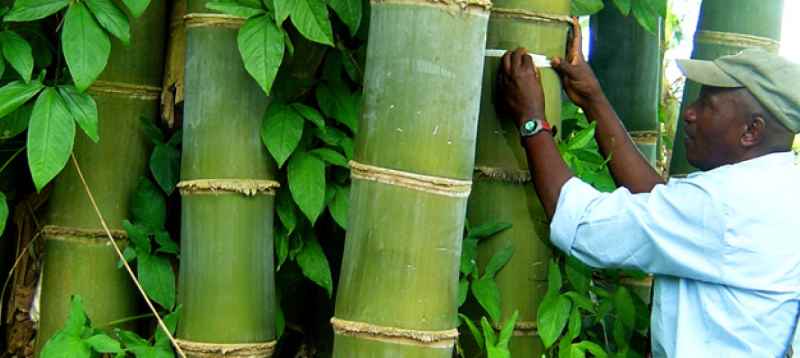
{"x": 677, "y": 229}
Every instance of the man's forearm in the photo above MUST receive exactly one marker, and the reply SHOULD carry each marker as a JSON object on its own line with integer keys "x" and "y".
{"x": 549, "y": 173}
{"x": 628, "y": 167}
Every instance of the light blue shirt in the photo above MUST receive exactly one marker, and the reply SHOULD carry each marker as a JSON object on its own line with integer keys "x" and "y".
{"x": 723, "y": 245}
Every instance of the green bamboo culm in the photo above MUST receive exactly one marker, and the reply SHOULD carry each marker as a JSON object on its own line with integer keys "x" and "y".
{"x": 79, "y": 258}
{"x": 226, "y": 282}
{"x": 414, "y": 159}
{"x": 726, "y": 27}
{"x": 627, "y": 59}
{"x": 502, "y": 190}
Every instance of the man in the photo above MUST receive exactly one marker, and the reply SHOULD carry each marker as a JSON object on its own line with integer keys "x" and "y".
{"x": 723, "y": 244}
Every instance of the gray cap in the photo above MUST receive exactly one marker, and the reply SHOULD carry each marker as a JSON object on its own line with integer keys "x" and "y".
{"x": 773, "y": 80}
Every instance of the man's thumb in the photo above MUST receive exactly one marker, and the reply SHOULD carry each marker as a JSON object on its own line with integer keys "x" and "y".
{"x": 561, "y": 66}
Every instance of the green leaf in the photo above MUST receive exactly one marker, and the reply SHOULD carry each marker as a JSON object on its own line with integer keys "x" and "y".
{"x": 349, "y": 11}
{"x": 261, "y": 47}
{"x": 283, "y": 9}
{"x": 331, "y": 156}
{"x": 340, "y": 105}
{"x": 646, "y": 13}
{"x": 3, "y": 213}
{"x": 463, "y": 290}
{"x": 508, "y": 329}
{"x": 624, "y": 6}
{"x": 165, "y": 243}
{"x": 76, "y": 319}
{"x": 15, "y": 94}
{"x": 574, "y": 325}
{"x": 498, "y": 260}
{"x": 582, "y": 138}
{"x": 488, "y": 333}
{"x": 340, "y": 205}
{"x": 111, "y": 17}
{"x": 593, "y": 348}
{"x": 137, "y": 7}
{"x": 310, "y": 17}
{"x": 285, "y": 209}
{"x": 486, "y": 230}
{"x": 139, "y": 237}
{"x": 29, "y": 10}
{"x": 476, "y": 333}
{"x": 86, "y": 46}
{"x": 83, "y": 109}
{"x": 18, "y": 53}
{"x": 488, "y": 295}
{"x": 51, "y": 134}
{"x": 234, "y": 8}
{"x": 16, "y": 122}
{"x": 469, "y": 251}
{"x": 280, "y": 320}
{"x": 552, "y": 317}
{"x": 314, "y": 264}
{"x": 581, "y": 301}
{"x": 623, "y": 303}
{"x": 281, "y": 131}
{"x": 148, "y": 206}
{"x": 104, "y": 344}
{"x": 66, "y": 346}
{"x": 586, "y": 7}
{"x": 171, "y": 321}
{"x": 306, "y": 175}
{"x": 157, "y": 279}
{"x": 281, "y": 248}
{"x": 578, "y": 274}
{"x": 310, "y": 114}
{"x": 151, "y": 131}
{"x": 165, "y": 165}
{"x": 553, "y": 278}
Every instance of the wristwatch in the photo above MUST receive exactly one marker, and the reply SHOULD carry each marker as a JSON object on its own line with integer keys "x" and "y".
{"x": 533, "y": 126}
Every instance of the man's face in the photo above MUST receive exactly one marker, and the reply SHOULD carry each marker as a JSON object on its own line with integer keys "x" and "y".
{"x": 714, "y": 127}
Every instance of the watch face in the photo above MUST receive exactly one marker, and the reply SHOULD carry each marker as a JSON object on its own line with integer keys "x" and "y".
{"x": 530, "y": 125}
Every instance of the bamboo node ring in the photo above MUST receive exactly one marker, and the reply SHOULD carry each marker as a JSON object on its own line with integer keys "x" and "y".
{"x": 237, "y": 350}
{"x": 247, "y": 187}
{"x": 533, "y": 16}
{"x": 424, "y": 183}
{"x": 431, "y": 339}
{"x": 737, "y": 40}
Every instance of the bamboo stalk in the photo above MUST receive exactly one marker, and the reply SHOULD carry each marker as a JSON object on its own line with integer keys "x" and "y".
{"x": 726, "y": 27}
{"x": 77, "y": 260}
{"x": 502, "y": 189}
{"x": 226, "y": 284}
{"x": 413, "y": 160}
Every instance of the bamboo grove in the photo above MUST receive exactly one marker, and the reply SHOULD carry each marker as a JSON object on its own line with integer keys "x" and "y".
{"x": 313, "y": 177}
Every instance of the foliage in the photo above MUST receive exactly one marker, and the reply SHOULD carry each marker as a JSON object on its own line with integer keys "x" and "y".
{"x": 646, "y": 12}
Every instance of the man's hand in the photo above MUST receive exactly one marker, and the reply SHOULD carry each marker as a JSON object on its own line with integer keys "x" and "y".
{"x": 519, "y": 87}
{"x": 577, "y": 77}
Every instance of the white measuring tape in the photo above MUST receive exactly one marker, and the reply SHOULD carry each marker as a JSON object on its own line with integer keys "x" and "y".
{"x": 538, "y": 60}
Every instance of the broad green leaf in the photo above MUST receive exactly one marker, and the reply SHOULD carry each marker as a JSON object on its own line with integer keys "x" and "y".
{"x": 83, "y": 109}
{"x": 130, "y": 339}
{"x": 3, "y": 213}
{"x": 581, "y": 301}
{"x": 593, "y": 348}
{"x": 157, "y": 279}
{"x": 624, "y": 6}
{"x": 310, "y": 114}
{"x": 349, "y": 11}
{"x": 171, "y": 321}
{"x": 507, "y": 331}
{"x": 16, "y": 122}
{"x": 314, "y": 264}
{"x": 476, "y": 333}
{"x": 566, "y": 350}
{"x": 148, "y": 206}
{"x": 62, "y": 345}
{"x": 498, "y": 260}
{"x": 283, "y": 9}
{"x": 281, "y": 131}
{"x": 261, "y": 47}
{"x": 553, "y": 278}
{"x": 111, "y": 17}
{"x": 586, "y": 7}
{"x": 165, "y": 243}
{"x": 51, "y": 134}
{"x": 137, "y": 7}
{"x": 285, "y": 209}
{"x": 486, "y": 230}
{"x": 151, "y": 131}
{"x": 578, "y": 274}
{"x": 139, "y": 237}
{"x": 2, "y": 67}
{"x": 281, "y": 248}
{"x": 646, "y": 14}
{"x": 331, "y": 156}
{"x": 552, "y": 317}
{"x": 18, "y": 53}
{"x": 582, "y": 138}
{"x": 234, "y": 8}
{"x": 29, "y": 10}
{"x": 342, "y": 106}
{"x": 85, "y": 45}
{"x": 488, "y": 295}
{"x": 310, "y": 17}
{"x": 463, "y": 290}
{"x": 15, "y": 94}
{"x": 347, "y": 147}
{"x": 621, "y": 334}
{"x": 623, "y": 303}
{"x": 330, "y": 135}
{"x": 104, "y": 344}
{"x": 340, "y": 205}
{"x": 76, "y": 319}
{"x": 306, "y": 174}
{"x": 574, "y": 325}
{"x": 165, "y": 165}
{"x": 469, "y": 250}
{"x": 488, "y": 333}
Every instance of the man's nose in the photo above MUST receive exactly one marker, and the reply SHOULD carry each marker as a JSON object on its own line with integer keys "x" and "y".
{"x": 690, "y": 114}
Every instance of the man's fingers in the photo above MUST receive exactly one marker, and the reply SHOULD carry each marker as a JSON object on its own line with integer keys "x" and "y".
{"x": 506, "y": 62}
{"x": 576, "y": 47}
{"x": 516, "y": 59}
{"x": 527, "y": 62}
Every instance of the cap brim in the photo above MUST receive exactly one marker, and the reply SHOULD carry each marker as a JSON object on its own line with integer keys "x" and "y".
{"x": 707, "y": 73}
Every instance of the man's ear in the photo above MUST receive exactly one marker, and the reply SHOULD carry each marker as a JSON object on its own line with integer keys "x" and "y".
{"x": 754, "y": 131}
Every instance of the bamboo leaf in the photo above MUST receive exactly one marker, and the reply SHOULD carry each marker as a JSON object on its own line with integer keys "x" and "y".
{"x": 552, "y": 317}
{"x": 586, "y": 7}
{"x": 476, "y": 333}
{"x": 488, "y": 333}
{"x": 486, "y": 230}
{"x": 234, "y": 8}
{"x": 281, "y": 131}
{"x": 29, "y": 10}
{"x": 148, "y": 206}
{"x": 16, "y": 122}
{"x": 104, "y": 344}
{"x": 137, "y": 7}
{"x": 83, "y": 109}
{"x": 261, "y": 47}
{"x": 488, "y": 295}
{"x": 340, "y": 205}
{"x": 331, "y": 156}
{"x": 306, "y": 174}
{"x": 498, "y": 260}
{"x": 165, "y": 165}
{"x": 349, "y": 11}
{"x": 157, "y": 279}
{"x": 18, "y": 53}
{"x": 285, "y": 209}
{"x": 624, "y": 6}
{"x": 15, "y": 94}
{"x": 310, "y": 17}
{"x": 111, "y": 17}
{"x": 310, "y": 114}
{"x": 86, "y": 46}
{"x": 51, "y": 134}
{"x": 314, "y": 264}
